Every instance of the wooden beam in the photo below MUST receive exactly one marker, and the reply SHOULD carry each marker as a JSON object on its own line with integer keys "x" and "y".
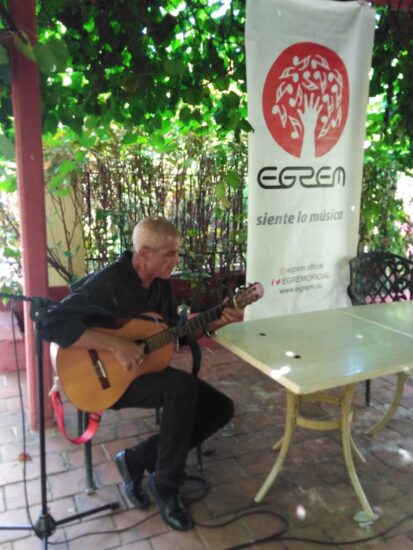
{"x": 29, "y": 159}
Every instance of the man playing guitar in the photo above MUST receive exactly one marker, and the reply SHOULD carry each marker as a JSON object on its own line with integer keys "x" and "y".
{"x": 138, "y": 283}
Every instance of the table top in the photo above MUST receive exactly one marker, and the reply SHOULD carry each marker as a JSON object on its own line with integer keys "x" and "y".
{"x": 397, "y": 316}
{"x": 315, "y": 351}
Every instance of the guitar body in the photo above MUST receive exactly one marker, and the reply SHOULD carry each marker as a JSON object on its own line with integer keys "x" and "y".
{"x": 80, "y": 380}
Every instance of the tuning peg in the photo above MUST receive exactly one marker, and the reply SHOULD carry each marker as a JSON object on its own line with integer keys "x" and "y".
{"x": 240, "y": 288}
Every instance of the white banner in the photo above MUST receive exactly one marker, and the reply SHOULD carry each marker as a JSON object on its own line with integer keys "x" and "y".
{"x": 308, "y": 67}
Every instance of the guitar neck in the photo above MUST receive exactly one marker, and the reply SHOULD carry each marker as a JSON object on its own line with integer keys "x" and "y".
{"x": 173, "y": 335}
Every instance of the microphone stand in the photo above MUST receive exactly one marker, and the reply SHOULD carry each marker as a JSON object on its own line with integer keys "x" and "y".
{"x": 45, "y": 525}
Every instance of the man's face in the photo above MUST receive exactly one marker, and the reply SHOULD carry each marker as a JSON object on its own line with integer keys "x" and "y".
{"x": 163, "y": 260}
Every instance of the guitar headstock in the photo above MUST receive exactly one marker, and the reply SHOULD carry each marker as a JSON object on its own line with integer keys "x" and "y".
{"x": 247, "y": 294}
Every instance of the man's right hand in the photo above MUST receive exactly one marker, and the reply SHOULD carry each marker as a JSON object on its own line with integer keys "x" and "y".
{"x": 129, "y": 354}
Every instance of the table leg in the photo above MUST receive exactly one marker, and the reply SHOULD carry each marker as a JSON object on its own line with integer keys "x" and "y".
{"x": 401, "y": 379}
{"x": 284, "y": 443}
{"x": 356, "y": 449}
{"x": 367, "y": 514}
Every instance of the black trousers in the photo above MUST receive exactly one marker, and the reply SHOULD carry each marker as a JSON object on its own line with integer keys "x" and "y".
{"x": 192, "y": 411}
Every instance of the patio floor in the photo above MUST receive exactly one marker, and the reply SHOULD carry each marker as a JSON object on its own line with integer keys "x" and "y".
{"x": 313, "y": 492}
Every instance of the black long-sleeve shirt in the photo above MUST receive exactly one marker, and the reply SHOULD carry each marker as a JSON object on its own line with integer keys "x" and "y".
{"x": 109, "y": 294}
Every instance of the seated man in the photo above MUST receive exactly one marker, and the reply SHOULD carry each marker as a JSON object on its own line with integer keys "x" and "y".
{"x": 137, "y": 283}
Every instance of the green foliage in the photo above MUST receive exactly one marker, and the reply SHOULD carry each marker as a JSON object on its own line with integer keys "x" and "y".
{"x": 384, "y": 225}
{"x": 144, "y": 111}
{"x": 10, "y": 256}
{"x": 140, "y": 63}
{"x": 6, "y": 148}
{"x": 184, "y": 178}
{"x": 117, "y": 177}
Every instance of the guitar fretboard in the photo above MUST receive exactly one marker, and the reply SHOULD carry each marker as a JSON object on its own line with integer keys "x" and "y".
{"x": 172, "y": 335}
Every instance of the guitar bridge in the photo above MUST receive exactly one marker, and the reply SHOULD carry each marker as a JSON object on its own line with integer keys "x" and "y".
{"x": 99, "y": 369}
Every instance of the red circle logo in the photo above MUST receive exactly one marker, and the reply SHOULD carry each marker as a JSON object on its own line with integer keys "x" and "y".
{"x": 305, "y": 99}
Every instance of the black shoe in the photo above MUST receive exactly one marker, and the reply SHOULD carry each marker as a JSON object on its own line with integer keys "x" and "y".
{"x": 132, "y": 486}
{"x": 171, "y": 508}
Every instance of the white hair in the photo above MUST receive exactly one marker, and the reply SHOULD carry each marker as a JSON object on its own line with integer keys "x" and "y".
{"x": 152, "y": 232}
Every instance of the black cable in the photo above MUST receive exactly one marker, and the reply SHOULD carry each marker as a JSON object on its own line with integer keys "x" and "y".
{"x": 109, "y": 532}
{"x": 186, "y": 494}
{"x": 250, "y": 512}
{"x": 23, "y": 421}
{"x": 277, "y": 536}
{"x": 350, "y": 542}
{"x": 185, "y": 498}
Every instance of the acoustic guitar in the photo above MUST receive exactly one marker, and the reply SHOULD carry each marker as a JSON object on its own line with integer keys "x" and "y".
{"x": 93, "y": 380}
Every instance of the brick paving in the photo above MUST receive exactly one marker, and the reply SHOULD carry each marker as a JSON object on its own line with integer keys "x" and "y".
{"x": 313, "y": 492}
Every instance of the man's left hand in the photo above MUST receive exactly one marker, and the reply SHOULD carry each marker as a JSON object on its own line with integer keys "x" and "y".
{"x": 231, "y": 315}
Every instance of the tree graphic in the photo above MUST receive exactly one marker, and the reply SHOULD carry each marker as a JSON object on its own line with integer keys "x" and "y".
{"x": 306, "y": 99}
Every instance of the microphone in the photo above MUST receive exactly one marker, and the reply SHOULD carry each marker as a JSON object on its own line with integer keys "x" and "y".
{"x": 183, "y": 311}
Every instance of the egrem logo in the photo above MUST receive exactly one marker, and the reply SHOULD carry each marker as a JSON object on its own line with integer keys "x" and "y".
{"x": 305, "y": 99}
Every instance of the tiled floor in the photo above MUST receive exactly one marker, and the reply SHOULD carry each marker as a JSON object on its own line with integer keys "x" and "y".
{"x": 313, "y": 493}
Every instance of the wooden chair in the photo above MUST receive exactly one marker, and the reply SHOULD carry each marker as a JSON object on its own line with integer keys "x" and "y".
{"x": 377, "y": 277}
